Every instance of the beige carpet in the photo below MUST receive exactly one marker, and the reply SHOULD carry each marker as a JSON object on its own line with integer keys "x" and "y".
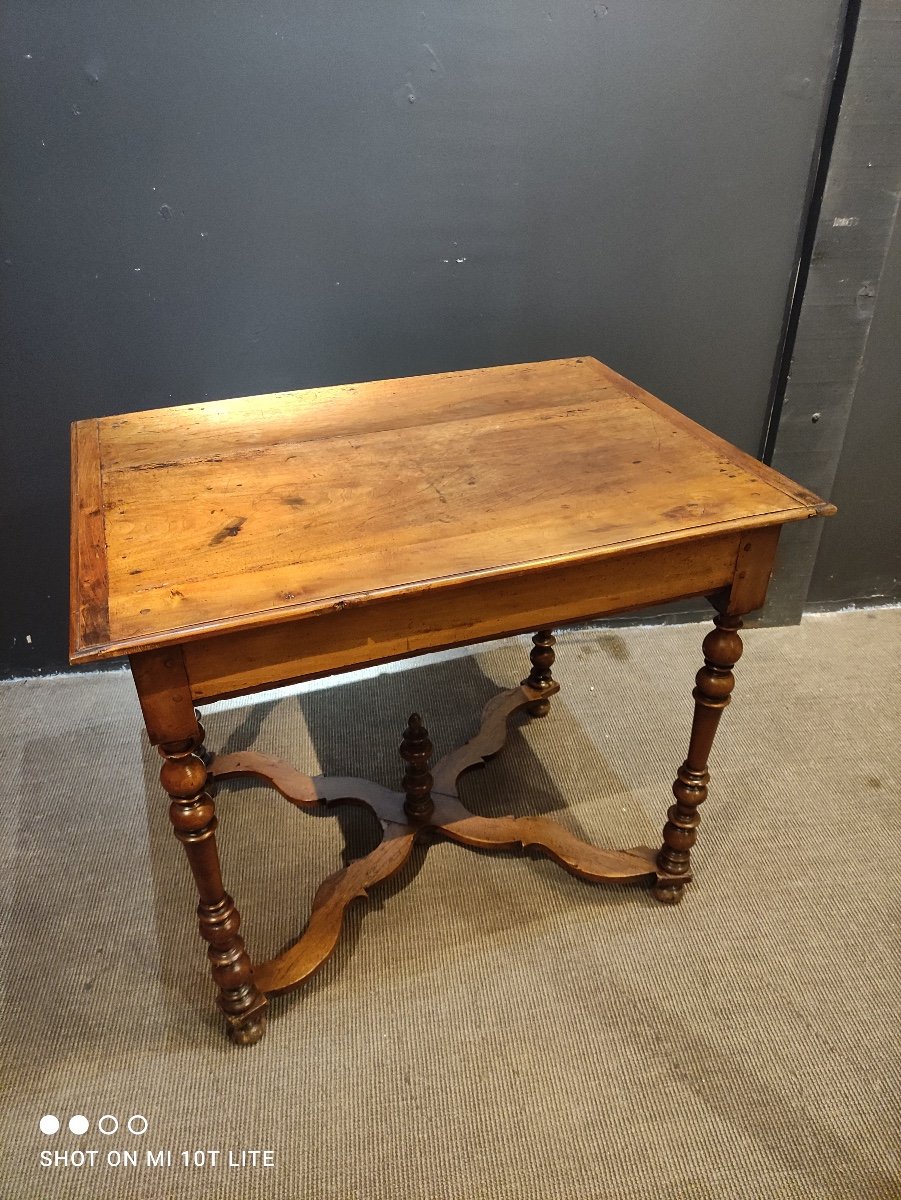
{"x": 489, "y": 1027}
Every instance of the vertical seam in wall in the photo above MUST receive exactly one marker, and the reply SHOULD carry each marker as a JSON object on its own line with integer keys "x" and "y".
{"x": 819, "y": 170}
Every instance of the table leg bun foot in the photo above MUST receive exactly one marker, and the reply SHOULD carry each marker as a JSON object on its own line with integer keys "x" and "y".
{"x": 248, "y": 1032}
{"x": 540, "y": 708}
{"x": 667, "y": 891}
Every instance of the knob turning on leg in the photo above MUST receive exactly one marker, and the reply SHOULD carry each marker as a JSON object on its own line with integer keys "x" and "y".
{"x": 540, "y": 678}
{"x": 415, "y": 750}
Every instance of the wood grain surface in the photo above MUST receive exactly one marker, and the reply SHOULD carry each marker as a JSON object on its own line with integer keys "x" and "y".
{"x": 237, "y": 514}
{"x": 385, "y": 628}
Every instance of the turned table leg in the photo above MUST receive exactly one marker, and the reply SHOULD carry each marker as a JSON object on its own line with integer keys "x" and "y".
{"x": 715, "y": 681}
{"x": 540, "y": 678}
{"x": 185, "y": 777}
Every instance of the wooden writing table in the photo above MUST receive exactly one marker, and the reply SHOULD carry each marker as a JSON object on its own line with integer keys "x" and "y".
{"x": 232, "y": 546}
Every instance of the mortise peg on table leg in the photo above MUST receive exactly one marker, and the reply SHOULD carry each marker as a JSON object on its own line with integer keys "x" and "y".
{"x": 715, "y": 681}
{"x": 415, "y": 750}
{"x": 540, "y": 678}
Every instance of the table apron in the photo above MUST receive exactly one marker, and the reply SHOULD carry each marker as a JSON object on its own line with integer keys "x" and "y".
{"x": 394, "y": 627}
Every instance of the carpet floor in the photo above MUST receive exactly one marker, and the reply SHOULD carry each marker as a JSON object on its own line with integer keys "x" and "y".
{"x": 489, "y": 1026}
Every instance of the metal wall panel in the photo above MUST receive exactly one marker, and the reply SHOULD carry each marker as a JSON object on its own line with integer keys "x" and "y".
{"x": 857, "y": 217}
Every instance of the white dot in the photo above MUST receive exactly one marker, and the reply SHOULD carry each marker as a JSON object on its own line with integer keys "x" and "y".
{"x": 49, "y": 1124}
{"x": 78, "y": 1125}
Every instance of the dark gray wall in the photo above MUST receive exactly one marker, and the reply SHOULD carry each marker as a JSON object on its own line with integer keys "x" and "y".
{"x": 860, "y": 550}
{"x": 831, "y": 350}
{"x": 203, "y": 200}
